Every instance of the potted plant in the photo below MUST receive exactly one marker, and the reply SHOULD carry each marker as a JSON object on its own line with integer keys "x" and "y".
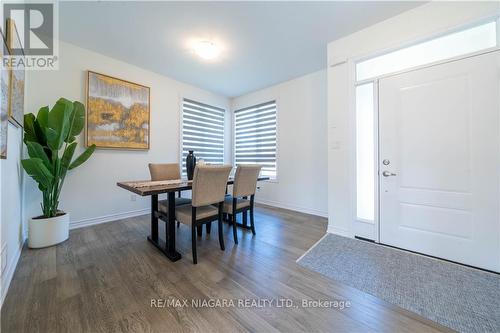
{"x": 51, "y": 141}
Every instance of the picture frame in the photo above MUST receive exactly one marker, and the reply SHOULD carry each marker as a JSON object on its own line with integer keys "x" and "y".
{"x": 17, "y": 78}
{"x": 117, "y": 113}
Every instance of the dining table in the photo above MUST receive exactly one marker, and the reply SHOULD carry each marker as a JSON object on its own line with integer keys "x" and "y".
{"x": 170, "y": 187}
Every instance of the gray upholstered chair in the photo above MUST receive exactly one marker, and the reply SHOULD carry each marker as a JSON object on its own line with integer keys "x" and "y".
{"x": 245, "y": 183}
{"x": 209, "y": 188}
{"x": 167, "y": 171}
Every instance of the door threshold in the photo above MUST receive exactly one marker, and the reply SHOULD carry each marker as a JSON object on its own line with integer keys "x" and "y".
{"x": 365, "y": 239}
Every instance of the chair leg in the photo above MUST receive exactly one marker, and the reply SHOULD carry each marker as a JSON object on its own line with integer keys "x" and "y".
{"x": 200, "y": 230}
{"x": 178, "y": 224}
{"x": 193, "y": 244}
{"x": 244, "y": 218}
{"x": 209, "y": 227}
{"x": 252, "y": 225}
{"x": 193, "y": 234}
{"x": 235, "y": 233}
{"x": 219, "y": 227}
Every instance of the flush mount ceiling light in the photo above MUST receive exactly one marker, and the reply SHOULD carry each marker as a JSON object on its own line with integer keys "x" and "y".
{"x": 206, "y": 50}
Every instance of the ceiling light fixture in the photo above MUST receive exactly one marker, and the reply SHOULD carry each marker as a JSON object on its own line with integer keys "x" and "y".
{"x": 206, "y": 50}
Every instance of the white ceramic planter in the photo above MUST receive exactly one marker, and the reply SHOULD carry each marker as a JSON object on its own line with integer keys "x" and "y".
{"x": 48, "y": 232}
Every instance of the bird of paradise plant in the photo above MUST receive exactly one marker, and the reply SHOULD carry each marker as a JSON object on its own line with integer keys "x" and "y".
{"x": 50, "y": 137}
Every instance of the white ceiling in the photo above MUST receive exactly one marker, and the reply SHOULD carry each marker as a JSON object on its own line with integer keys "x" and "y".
{"x": 263, "y": 43}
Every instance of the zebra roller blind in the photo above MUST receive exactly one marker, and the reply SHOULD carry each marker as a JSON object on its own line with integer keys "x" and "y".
{"x": 255, "y": 137}
{"x": 202, "y": 132}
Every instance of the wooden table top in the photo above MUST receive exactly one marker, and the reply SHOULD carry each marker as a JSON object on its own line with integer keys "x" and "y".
{"x": 149, "y": 187}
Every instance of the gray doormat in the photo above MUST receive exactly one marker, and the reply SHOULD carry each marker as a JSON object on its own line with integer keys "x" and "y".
{"x": 459, "y": 297}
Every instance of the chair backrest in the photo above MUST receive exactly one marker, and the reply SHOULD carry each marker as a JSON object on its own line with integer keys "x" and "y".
{"x": 209, "y": 184}
{"x": 245, "y": 180}
{"x": 165, "y": 171}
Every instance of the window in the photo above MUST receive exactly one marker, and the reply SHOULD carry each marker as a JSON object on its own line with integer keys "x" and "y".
{"x": 255, "y": 137}
{"x": 365, "y": 152}
{"x": 202, "y": 132}
{"x": 451, "y": 45}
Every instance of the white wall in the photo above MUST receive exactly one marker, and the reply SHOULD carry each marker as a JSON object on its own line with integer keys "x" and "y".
{"x": 302, "y": 143}
{"x": 420, "y": 23}
{"x": 90, "y": 193}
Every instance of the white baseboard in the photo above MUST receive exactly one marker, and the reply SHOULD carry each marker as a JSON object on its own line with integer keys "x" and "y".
{"x": 9, "y": 272}
{"x": 293, "y": 207}
{"x": 113, "y": 217}
{"x": 107, "y": 218}
{"x": 340, "y": 231}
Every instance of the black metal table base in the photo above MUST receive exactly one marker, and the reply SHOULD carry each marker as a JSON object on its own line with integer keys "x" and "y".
{"x": 162, "y": 246}
{"x": 167, "y": 247}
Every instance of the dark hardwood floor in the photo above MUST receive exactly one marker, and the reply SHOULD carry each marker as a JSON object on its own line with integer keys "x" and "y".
{"x": 103, "y": 279}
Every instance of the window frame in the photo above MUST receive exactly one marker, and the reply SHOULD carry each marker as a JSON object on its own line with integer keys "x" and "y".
{"x": 181, "y": 128}
{"x": 233, "y": 138}
{"x": 375, "y": 156}
{"x": 491, "y": 19}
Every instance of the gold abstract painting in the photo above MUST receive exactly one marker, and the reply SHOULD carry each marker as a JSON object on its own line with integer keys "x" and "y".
{"x": 117, "y": 113}
{"x": 17, "y": 78}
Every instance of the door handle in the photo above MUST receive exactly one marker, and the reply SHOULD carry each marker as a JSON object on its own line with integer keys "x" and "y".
{"x": 388, "y": 174}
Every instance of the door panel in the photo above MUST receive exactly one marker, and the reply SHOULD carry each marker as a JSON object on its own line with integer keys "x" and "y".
{"x": 439, "y": 128}
{"x": 432, "y": 106}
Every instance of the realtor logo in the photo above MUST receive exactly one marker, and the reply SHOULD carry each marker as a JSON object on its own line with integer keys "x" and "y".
{"x": 35, "y": 26}
{"x": 31, "y": 35}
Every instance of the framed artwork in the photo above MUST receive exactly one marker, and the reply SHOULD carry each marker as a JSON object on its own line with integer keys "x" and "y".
{"x": 17, "y": 78}
{"x": 118, "y": 113}
{"x": 4, "y": 99}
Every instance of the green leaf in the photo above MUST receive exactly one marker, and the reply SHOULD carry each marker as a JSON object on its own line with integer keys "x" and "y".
{"x": 51, "y": 136}
{"x": 38, "y": 171}
{"x": 43, "y": 117}
{"x": 41, "y": 124}
{"x": 59, "y": 123}
{"x": 35, "y": 150}
{"x": 68, "y": 156}
{"x": 29, "y": 128}
{"x": 33, "y": 131}
{"x": 40, "y": 134}
{"x": 77, "y": 121}
{"x": 82, "y": 158}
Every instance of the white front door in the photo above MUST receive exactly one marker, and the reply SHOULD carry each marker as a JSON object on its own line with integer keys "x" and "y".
{"x": 440, "y": 159}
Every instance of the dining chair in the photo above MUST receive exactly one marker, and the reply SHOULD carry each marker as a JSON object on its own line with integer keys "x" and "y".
{"x": 208, "y": 189}
{"x": 245, "y": 184}
{"x": 167, "y": 171}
